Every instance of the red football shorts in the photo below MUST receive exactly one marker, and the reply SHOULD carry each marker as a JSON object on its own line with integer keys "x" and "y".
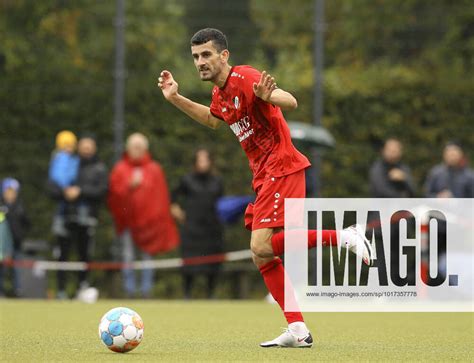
{"x": 268, "y": 210}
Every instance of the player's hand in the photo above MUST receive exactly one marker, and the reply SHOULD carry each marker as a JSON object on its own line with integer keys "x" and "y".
{"x": 265, "y": 86}
{"x": 168, "y": 85}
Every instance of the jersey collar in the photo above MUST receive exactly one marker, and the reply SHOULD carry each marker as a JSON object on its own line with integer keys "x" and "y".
{"x": 227, "y": 79}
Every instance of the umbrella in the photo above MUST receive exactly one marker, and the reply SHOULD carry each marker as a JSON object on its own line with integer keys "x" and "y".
{"x": 310, "y": 135}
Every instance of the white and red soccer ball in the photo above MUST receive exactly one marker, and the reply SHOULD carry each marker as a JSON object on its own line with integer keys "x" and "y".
{"x": 121, "y": 329}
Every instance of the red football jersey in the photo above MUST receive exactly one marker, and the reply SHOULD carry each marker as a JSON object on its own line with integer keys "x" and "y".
{"x": 259, "y": 126}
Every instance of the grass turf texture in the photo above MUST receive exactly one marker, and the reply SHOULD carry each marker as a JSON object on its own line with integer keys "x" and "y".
{"x": 34, "y": 331}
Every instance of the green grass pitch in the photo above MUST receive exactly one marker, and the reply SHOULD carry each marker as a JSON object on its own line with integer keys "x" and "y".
{"x": 51, "y": 331}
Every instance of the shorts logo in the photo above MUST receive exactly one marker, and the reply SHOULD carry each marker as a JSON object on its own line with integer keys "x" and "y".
{"x": 265, "y": 220}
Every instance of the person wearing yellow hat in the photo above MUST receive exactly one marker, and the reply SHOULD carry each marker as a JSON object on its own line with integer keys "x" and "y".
{"x": 66, "y": 141}
{"x": 63, "y": 173}
{"x": 64, "y": 163}
{"x": 63, "y": 170}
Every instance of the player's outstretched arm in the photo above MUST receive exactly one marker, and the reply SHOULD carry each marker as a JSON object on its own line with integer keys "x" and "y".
{"x": 267, "y": 90}
{"x": 196, "y": 111}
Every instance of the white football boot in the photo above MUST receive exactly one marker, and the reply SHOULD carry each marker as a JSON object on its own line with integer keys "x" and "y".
{"x": 354, "y": 239}
{"x": 289, "y": 340}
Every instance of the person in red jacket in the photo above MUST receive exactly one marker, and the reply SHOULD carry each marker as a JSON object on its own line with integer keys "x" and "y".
{"x": 140, "y": 205}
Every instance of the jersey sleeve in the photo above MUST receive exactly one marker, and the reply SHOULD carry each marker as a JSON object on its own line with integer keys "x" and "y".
{"x": 215, "y": 108}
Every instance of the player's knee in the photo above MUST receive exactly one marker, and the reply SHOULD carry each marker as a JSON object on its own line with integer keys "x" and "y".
{"x": 259, "y": 249}
{"x": 258, "y": 261}
{"x": 261, "y": 261}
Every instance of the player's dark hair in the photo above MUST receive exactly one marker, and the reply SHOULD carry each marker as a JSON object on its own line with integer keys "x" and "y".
{"x": 217, "y": 37}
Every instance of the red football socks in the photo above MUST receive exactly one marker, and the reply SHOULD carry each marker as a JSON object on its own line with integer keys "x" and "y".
{"x": 273, "y": 274}
{"x": 329, "y": 238}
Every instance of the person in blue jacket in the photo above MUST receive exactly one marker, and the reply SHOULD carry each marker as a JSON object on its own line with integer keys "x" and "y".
{"x": 63, "y": 171}
{"x": 64, "y": 164}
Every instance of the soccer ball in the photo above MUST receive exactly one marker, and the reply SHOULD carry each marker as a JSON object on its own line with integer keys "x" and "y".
{"x": 121, "y": 329}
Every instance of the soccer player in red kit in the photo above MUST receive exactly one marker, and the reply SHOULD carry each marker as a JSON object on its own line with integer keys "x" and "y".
{"x": 250, "y": 103}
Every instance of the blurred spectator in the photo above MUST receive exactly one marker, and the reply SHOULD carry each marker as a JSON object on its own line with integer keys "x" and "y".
{"x": 139, "y": 202}
{"x": 79, "y": 200}
{"x": 6, "y": 248}
{"x": 198, "y": 193}
{"x": 452, "y": 178}
{"x": 389, "y": 177}
{"x": 63, "y": 169}
{"x": 17, "y": 222}
{"x": 64, "y": 163}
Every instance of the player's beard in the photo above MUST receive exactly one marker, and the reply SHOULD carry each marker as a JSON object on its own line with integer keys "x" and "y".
{"x": 208, "y": 74}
